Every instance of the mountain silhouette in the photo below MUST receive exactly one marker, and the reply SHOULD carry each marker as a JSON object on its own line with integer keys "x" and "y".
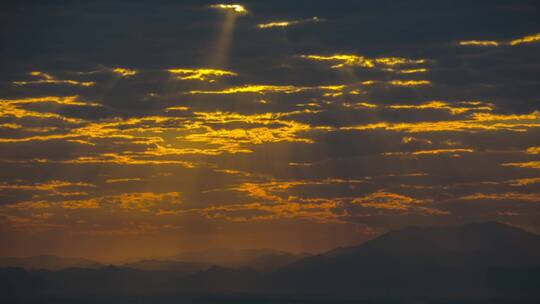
{"x": 477, "y": 262}
{"x": 445, "y": 257}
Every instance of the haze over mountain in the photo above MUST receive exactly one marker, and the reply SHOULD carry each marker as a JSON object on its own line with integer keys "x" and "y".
{"x": 185, "y": 262}
{"x": 48, "y": 262}
{"x": 255, "y": 258}
{"x": 477, "y": 261}
{"x": 168, "y": 265}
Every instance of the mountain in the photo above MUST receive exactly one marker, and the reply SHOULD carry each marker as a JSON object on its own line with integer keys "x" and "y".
{"x": 48, "y": 262}
{"x": 459, "y": 258}
{"x": 168, "y": 265}
{"x": 258, "y": 259}
{"x": 268, "y": 261}
{"x": 480, "y": 263}
{"x": 225, "y": 256}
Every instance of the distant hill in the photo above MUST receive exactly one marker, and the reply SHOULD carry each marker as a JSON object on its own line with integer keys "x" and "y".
{"x": 47, "y": 262}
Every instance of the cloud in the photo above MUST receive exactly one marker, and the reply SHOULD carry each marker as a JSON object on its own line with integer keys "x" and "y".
{"x": 479, "y": 43}
{"x": 124, "y": 72}
{"x": 526, "y": 39}
{"x": 260, "y": 89}
{"x": 44, "y": 78}
{"x": 530, "y": 164}
{"x": 397, "y": 203}
{"x": 431, "y": 152}
{"x": 351, "y": 60}
{"x": 287, "y": 23}
{"x": 523, "y": 40}
{"x": 200, "y": 74}
{"x": 533, "y": 150}
{"x": 478, "y": 122}
{"x": 529, "y": 197}
{"x": 525, "y": 181}
{"x": 139, "y": 201}
{"x": 409, "y": 83}
{"x": 460, "y": 108}
{"x": 122, "y": 180}
{"x": 50, "y": 188}
{"x": 237, "y": 8}
{"x": 346, "y": 126}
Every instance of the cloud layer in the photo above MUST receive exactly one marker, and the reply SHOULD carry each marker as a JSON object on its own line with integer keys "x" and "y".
{"x": 189, "y": 124}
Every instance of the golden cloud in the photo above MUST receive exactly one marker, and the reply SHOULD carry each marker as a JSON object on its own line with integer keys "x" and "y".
{"x": 200, "y": 74}
{"x": 47, "y": 186}
{"x": 479, "y": 43}
{"x": 431, "y": 152}
{"x": 478, "y": 122}
{"x": 524, "y": 181}
{"x": 259, "y": 89}
{"x": 458, "y": 108}
{"x": 526, "y": 39}
{"x": 396, "y": 202}
{"x": 533, "y": 150}
{"x": 351, "y": 60}
{"x": 45, "y": 78}
{"x": 528, "y": 165}
{"x": 411, "y": 71}
{"x": 124, "y": 72}
{"x": 15, "y": 108}
{"x": 237, "y": 8}
{"x": 138, "y": 201}
{"x": 122, "y": 180}
{"x": 529, "y": 197}
{"x": 287, "y": 23}
{"x": 409, "y": 83}
{"x": 523, "y": 40}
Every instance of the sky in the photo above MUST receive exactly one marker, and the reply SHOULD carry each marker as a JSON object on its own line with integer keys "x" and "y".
{"x": 145, "y": 128}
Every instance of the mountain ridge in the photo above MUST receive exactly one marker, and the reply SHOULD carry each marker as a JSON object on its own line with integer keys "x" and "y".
{"x": 484, "y": 259}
